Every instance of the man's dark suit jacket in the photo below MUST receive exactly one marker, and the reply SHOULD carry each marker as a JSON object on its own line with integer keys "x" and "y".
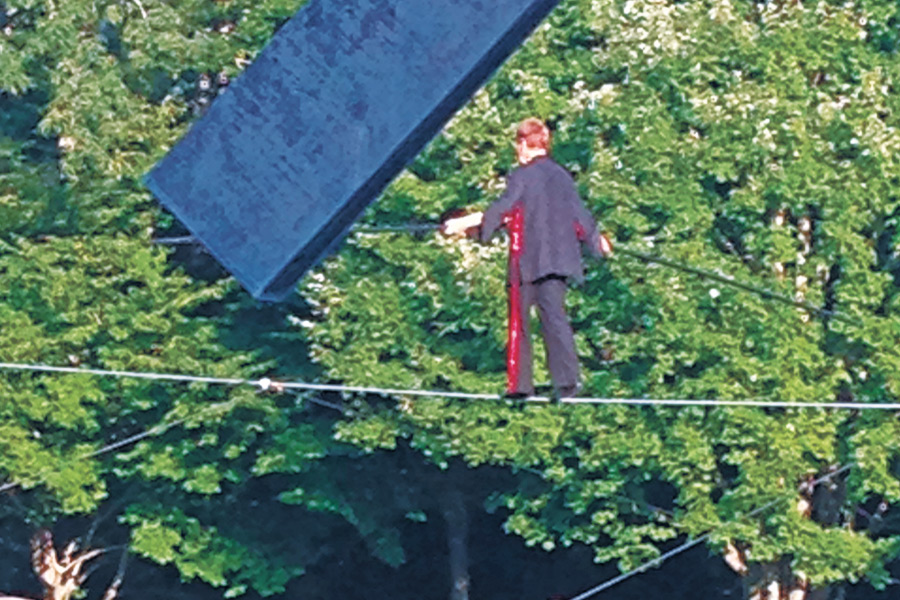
{"x": 556, "y": 221}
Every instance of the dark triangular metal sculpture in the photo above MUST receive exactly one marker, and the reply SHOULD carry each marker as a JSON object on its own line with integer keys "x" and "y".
{"x": 343, "y": 97}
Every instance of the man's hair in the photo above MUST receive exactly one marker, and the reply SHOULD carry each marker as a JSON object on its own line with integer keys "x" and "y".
{"x": 534, "y": 133}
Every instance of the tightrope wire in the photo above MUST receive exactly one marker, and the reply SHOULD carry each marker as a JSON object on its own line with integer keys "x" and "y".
{"x": 691, "y": 543}
{"x": 267, "y": 384}
{"x": 123, "y": 374}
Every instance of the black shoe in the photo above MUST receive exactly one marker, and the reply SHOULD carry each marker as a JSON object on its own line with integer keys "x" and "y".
{"x": 517, "y": 399}
{"x": 565, "y": 392}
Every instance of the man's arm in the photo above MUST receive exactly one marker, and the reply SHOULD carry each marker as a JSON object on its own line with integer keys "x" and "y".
{"x": 490, "y": 220}
{"x": 586, "y": 230}
{"x": 493, "y": 216}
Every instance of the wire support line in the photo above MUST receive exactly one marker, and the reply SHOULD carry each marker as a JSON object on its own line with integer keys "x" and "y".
{"x": 132, "y": 439}
{"x": 697, "y": 541}
{"x": 326, "y": 404}
{"x": 180, "y": 240}
{"x": 643, "y": 256}
{"x": 189, "y": 240}
{"x": 743, "y": 285}
{"x": 267, "y": 384}
{"x": 410, "y": 228}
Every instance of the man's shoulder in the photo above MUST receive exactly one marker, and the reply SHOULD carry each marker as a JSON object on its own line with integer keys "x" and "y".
{"x": 547, "y": 166}
{"x": 554, "y": 175}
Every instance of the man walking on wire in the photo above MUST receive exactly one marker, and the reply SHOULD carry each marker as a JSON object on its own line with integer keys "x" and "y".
{"x": 547, "y": 222}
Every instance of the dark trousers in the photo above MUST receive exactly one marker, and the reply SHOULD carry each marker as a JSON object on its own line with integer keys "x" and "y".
{"x": 549, "y": 294}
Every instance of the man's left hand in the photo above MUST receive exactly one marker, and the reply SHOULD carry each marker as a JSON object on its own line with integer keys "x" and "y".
{"x": 605, "y": 245}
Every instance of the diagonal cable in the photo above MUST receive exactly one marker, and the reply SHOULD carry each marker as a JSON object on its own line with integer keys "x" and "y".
{"x": 691, "y": 543}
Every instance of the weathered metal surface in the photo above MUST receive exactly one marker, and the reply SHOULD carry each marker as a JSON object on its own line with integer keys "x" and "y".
{"x": 343, "y": 97}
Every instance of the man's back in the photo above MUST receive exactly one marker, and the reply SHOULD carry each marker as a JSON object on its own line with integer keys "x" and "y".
{"x": 555, "y": 219}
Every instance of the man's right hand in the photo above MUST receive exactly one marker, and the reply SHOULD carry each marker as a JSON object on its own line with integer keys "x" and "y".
{"x": 459, "y": 225}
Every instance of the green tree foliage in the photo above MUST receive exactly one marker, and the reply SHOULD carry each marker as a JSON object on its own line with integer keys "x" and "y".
{"x": 757, "y": 140}
{"x": 230, "y": 484}
{"x": 710, "y": 132}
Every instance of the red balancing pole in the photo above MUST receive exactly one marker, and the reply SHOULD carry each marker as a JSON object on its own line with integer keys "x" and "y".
{"x": 514, "y": 222}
